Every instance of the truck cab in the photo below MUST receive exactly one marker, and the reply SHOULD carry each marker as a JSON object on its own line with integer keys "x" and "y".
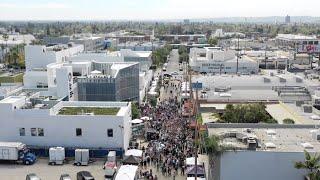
{"x": 27, "y": 157}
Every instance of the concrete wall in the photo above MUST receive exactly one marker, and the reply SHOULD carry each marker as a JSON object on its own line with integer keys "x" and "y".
{"x": 262, "y": 165}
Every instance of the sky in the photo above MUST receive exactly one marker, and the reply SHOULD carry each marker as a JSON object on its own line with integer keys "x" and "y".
{"x": 152, "y": 9}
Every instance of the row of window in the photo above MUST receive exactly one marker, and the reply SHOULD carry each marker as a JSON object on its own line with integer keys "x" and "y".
{"x": 40, "y": 132}
{"x": 79, "y": 132}
{"x": 34, "y": 131}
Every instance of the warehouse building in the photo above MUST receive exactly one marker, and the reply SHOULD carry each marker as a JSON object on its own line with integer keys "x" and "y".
{"x": 263, "y": 151}
{"x": 215, "y": 60}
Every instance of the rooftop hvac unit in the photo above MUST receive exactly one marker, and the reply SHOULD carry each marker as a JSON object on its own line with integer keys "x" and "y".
{"x": 282, "y": 80}
{"x": 307, "y": 108}
{"x": 271, "y": 132}
{"x": 252, "y": 144}
{"x": 307, "y": 145}
{"x": 299, "y": 103}
{"x": 299, "y": 80}
{"x": 316, "y": 135}
{"x": 266, "y": 80}
{"x": 270, "y": 145}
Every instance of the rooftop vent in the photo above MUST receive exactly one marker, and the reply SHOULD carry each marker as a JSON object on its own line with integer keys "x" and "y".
{"x": 270, "y": 145}
{"x": 307, "y": 145}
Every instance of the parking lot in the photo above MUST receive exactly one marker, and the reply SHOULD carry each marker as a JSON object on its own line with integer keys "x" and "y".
{"x": 47, "y": 172}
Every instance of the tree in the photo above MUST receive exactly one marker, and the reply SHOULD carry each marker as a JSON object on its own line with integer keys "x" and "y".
{"x": 288, "y": 121}
{"x": 311, "y": 164}
{"x": 153, "y": 102}
{"x": 135, "y": 112}
{"x": 247, "y": 113}
{"x": 213, "y": 41}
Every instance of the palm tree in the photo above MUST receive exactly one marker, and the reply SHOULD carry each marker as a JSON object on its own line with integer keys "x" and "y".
{"x": 311, "y": 164}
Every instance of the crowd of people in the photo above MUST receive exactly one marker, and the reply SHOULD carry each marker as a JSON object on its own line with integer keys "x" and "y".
{"x": 169, "y": 140}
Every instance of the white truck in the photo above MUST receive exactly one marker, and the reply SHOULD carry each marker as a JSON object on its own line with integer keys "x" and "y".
{"x": 56, "y": 155}
{"x": 81, "y": 157}
{"x": 16, "y": 151}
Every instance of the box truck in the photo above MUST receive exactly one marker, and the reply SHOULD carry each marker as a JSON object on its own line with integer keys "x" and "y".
{"x": 16, "y": 151}
{"x": 56, "y": 155}
{"x": 81, "y": 157}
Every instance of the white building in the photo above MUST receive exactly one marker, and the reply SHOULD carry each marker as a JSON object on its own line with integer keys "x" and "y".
{"x": 39, "y": 122}
{"x": 52, "y": 70}
{"x": 91, "y": 43}
{"x": 37, "y": 58}
{"x": 264, "y": 152}
{"x": 214, "y": 60}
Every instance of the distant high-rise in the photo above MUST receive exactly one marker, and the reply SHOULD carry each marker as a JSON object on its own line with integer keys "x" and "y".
{"x": 287, "y": 19}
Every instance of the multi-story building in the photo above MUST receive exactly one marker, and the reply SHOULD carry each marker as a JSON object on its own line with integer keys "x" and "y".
{"x": 215, "y": 60}
{"x": 299, "y": 43}
{"x": 89, "y": 42}
{"x": 40, "y": 123}
{"x": 172, "y": 38}
{"x": 110, "y": 82}
{"x": 37, "y": 58}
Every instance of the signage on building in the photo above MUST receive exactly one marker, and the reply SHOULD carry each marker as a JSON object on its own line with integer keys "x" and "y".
{"x": 314, "y": 48}
{"x": 197, "y": 85}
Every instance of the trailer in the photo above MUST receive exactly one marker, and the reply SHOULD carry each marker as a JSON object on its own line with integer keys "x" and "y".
{"x": 56, "y": 155}
{"x": 81, "y": 157}
{"x": 16, "y": 151}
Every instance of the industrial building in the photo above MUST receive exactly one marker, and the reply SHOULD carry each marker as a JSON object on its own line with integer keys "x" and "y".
{"x": 262, "y": 151}
{"x": 269, "y": 59}
{"x": 41, "y": 122}
{"x": 215, "y": 60}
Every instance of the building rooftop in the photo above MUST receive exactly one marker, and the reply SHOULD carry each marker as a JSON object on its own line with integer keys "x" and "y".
{"x": 278, "y": 139}
{"x": 88, "y": 111}
{"x": 296, "y": 37}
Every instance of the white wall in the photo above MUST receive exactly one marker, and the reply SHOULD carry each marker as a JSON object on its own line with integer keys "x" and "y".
{"x": 261, "y": 165}
{"x": 61, "y": 130}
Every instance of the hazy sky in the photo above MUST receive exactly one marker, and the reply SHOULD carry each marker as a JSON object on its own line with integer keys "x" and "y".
{"x": 151, "y": 9}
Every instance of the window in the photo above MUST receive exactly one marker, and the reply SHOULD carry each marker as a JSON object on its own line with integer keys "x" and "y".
{"x": 78, "y": 132}
{"x": 110, "y": 132}
{"x": 33, "y": 131}
{"x": 22, "y": 131}
{"x": 40, "y": 132}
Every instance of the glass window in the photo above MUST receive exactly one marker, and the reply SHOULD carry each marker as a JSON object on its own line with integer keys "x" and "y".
{"x": 78, "y": 132}
{"x": 40, "y": 132}
{"x": 110, "y": 132}
{"x": 33, "y": 131}
{"x": 22, "y": 131}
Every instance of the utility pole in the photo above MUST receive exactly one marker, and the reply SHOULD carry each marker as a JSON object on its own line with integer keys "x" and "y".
{"x": 238, "y": 56}
{"x": 196, "y": 132}
{"x": 265, "y": 57}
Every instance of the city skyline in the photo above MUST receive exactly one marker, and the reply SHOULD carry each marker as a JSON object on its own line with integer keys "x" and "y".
{"x": 148, "y": 10}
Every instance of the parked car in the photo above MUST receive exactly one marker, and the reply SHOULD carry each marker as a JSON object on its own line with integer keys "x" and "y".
{"x": 84, "y": 175}
{"x": 65, "y": 177}
{"x": 32, "y": 176}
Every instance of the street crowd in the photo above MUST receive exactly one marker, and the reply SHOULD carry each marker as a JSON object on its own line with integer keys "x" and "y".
{"x": 169, "y": 140}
